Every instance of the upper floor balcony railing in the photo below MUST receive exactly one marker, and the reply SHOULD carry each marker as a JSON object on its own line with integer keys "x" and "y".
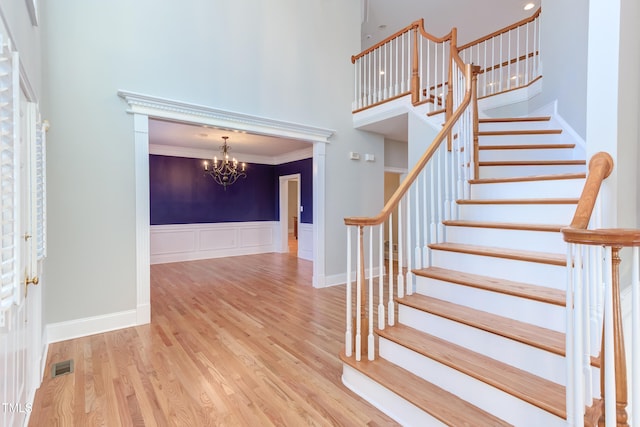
{"x": 414, "y": 62}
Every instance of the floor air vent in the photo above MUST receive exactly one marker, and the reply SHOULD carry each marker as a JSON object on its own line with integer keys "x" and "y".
{"x": 62, "y": 368}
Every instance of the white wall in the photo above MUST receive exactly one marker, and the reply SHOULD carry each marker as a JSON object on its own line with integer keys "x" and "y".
{"x": 395, "y": 154}
{"x": 279, "y": 59}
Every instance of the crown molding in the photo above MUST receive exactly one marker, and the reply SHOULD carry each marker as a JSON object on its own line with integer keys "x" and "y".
{"x": 187, "y": 112}
{"x": 197, "y": 153}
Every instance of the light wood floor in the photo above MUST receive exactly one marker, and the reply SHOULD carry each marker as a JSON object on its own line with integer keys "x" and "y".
{"x": 242, "y": 341}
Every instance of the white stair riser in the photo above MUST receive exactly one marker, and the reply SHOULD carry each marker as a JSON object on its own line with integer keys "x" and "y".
{"x": 514, "y": 213}
{"x": 478, "y": 393}
{"x": 551, "y": 276}
{"x": 522, "y": 309}
{"x": 553, "y": 138}
{"x": 543, "y": 241}
{"x": 522, "y": 356}
{"x": 528, "y": 189}
{"x": 385, "y": 400}
{"x": 528, "y": 125}
{"x": 526, "y": 154}
{"x": 518, "y": 171}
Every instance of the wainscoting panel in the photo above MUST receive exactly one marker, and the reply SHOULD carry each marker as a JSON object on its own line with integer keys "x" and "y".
{"x": 305, "y": 241}
{"x": 188, "y": 242}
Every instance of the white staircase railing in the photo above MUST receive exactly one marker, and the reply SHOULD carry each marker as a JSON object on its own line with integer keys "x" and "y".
{"x": 410, "y": 61}
{"x": 594, "y": 317}
{"x": 413, "y": 217}
{"x": 508, "y": 58}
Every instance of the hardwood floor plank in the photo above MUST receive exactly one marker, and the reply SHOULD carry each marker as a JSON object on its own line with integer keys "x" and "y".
{"x": 238, "y": 341}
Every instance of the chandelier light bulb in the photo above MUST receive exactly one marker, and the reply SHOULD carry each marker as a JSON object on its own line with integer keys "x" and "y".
{"x": 226, "y": 172}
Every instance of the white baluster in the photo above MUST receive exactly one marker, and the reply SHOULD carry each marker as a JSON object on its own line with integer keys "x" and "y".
{"x": 418, "y": 247}
{"x": 370, "y": 340}
{"x": 403, "y": 77}
{"x": 369, "y": 93}
{"x": 409, "y": 275}
{"x": 348, "y": 336}
{"x": 358, "y": 300}
{"x": 381, "y": 320}
{"x": 609, "y": 358}
{"x": 527, "y": 60}
{"x": 391, "y": 310}
{"x": 517, "y": 30}
{"x": 569, "y": 339}
{"x": 426, "y": 262}
{"x": 400, "y": 253}
{"x": 501, "y": 75}
{"x": 441, "y": 159}
{"x": 635, "y": 337}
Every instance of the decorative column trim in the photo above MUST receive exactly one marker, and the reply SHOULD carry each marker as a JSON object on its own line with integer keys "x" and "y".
{"x": 145, "y": 106}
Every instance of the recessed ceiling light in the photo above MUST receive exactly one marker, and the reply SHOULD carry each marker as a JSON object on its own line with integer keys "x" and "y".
{"x": 529, "y": 6}
{"x": 382, "y": 27}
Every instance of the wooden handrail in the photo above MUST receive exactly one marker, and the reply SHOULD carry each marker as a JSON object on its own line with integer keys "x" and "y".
{"x": 392, "y": 203}
{"x": 600, "y": 167}
{"x": 614, "y": 237}
{"x": 503, "y": 30}
{"x": 416, "y": 25}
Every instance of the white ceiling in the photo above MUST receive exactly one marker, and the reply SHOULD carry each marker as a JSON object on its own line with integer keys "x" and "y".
{"x": 207, "y": 138}
{"x": 380, "y": 19}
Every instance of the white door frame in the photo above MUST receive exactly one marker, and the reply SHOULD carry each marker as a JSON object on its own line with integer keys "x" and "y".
{"x": 284, "y": 207}
{"x": 144, "y": 106}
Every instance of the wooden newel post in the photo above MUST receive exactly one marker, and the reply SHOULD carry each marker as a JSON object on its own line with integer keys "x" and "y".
{"x": 620, "y": 364}
{"x": 474, "y": 103}
{"x": 415, "y": 76}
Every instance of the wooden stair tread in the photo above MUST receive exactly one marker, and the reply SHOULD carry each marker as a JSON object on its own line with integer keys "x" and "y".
{"x": 533, "y": 163}
{"x": 535, "y": 336}
{"x": 536, "y": 201}
{"x": 505, "y": 225}
{"x": 439, "y": 403}
{"x": 514, "y": 119}
{"x": 507, "y": 287}
{"x": 549, "y": 177}
{"x": 525, "y": 146}
{"x": 515, "y": 254}
{"x": 520, "y": 132}
{"x": 530, "y": 388}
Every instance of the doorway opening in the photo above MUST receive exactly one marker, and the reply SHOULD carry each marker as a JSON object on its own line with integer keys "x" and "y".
{"x": 290, "y": 210}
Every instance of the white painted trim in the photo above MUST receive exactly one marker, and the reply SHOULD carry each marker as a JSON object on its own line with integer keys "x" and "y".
{"x": 193, "y": 113}
{"x": 341, "y": 279}
{"x": 148, "y": 106}
{"x": 510, "y": 97}
{"x": 319, "y": 197}
{"x": 70, "y": 329}
{"x": 143, "y": 219}
{"x": 283, "y": 194}
{"x": 189, "y": 242}
{"x": 401, "y": 171}
{"x": 305, "y": 241}
{"x": 198, "y": 153}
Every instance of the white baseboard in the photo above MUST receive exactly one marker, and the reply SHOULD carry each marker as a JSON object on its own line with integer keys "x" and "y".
{"x": 189, "y": 242}
{"x": 90, "y": 325}
{"x": 341, "y": 279}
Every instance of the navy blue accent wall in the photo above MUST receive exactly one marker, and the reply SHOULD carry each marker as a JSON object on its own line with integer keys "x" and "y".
{"x": 180, "y": 192}
{"x": 305, "y": 168}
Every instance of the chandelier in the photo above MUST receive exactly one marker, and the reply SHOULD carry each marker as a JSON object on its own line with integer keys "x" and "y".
{"x": 225, "y": 172}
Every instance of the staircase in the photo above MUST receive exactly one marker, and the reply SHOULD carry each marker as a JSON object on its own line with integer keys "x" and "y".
{"x": 480, "y": 341}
